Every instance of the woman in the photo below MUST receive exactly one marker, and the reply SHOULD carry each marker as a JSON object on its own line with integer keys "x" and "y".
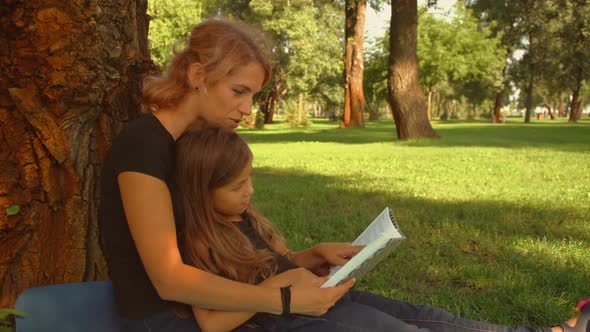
{"x": 210, "y": 83}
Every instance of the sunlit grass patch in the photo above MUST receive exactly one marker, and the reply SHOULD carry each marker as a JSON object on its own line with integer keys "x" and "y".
{"x": 497, "y": 216}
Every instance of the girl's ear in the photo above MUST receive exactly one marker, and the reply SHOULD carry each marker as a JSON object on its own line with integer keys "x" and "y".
{"x": 196, "y": 76}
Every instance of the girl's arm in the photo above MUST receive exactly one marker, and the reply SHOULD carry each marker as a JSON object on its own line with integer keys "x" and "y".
{"x": 210, "y": 320}
{"x": 148, "y": 208}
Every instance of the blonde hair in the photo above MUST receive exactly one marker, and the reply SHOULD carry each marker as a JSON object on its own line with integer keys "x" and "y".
{"x": 219, "y": 46}
{"x": 206, "y": 160}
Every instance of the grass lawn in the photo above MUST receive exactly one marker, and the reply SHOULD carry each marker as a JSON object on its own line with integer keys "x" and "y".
{"x": 497, "y": 216}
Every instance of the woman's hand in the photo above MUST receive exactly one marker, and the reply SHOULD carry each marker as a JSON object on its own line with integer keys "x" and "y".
{"x": 294, "y": 277}
{"x": 317, "y": 301}
{"x": 306, "y": 296}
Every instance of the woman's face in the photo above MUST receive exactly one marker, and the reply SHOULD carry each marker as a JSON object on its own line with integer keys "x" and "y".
{"x": 231, "y": 200}
{"x": 224, "y": 103}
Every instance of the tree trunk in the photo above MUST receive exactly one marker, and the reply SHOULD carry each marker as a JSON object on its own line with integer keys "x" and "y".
{"x": 405, "y": 93}
{"x": 269, "y": 100}
{"x": 560, "y": 107}
{"x": 575, "y": 105}
{"x": 71, "y": 74}
{"x": 530, "y": 84}
{"x": 429, "y": 112}
{"x": 550, "y": 112}
{"x": 498, "y": 105}
{"x": 354, "y": 97}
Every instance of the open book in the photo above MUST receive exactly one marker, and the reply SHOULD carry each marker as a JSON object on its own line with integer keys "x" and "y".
{"x": 380, "y": 238}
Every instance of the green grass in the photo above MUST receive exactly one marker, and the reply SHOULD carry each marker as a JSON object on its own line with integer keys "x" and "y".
{"x": 497, "y": 216}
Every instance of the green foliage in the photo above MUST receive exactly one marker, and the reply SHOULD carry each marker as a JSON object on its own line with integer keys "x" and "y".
{"x": 375, "y": 75}
{"x": 249, "y": 121}
{"x": 12, "y": 210}
{"x": 557, "y": 59}
{"x": 5, "y": 323}
{"x": 307, "y": 39}
{"x": 457, "y": 57}
{"x": 296, "y": 114}
{"x": 170, "y": 25}
{"x": 495, "y": 231}
{"x": 456, "y": 49}
{"x": 259, "y": 122}
{"x": 564, "y": 44}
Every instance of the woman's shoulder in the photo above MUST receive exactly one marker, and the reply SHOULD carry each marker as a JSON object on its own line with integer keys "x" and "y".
{"x": 145, "y": 130}
{"x": 144, "y": 145}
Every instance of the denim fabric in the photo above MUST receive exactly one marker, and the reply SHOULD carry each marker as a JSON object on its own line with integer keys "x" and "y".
{"x": 363, "y": 312}
{"x": 356, "y": 312}
{"x": 169, "y": 322}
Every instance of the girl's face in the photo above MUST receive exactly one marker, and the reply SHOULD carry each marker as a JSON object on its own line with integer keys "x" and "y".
{"x": 224, "y": 103}
{"x": 231, "y": 200}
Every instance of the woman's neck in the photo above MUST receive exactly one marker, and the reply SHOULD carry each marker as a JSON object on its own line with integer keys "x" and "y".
{"x": 177, "y": 119}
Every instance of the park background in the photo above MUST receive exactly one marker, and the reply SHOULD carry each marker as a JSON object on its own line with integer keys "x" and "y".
{"x": 483, "y": 156}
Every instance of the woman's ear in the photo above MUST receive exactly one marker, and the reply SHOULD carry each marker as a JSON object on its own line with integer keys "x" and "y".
{"x": 196, "y": 76}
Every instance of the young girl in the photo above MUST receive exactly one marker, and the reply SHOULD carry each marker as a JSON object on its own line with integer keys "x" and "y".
{"x": 220, "y": 232}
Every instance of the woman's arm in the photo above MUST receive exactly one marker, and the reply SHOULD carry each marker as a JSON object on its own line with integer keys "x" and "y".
{"x": 148, "y": 208}
{"x": 217, "y": 320}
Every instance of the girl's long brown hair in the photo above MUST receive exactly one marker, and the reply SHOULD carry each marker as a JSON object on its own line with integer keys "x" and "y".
{"x": 208, "y": 159}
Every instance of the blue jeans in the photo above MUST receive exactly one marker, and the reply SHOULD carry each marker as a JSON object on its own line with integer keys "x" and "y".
{"x": 356, "y": 312}
{"x": 363, "y": 312}
{"x": 169, "y": 322}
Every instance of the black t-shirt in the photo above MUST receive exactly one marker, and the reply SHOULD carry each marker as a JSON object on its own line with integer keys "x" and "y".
{"x": 283, "y": 263}
{"x": 144, "y": 146}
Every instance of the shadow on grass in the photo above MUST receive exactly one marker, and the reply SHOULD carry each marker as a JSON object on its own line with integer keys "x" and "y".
{"x": 555, "y": 136}
{"x": 504, "y": 262}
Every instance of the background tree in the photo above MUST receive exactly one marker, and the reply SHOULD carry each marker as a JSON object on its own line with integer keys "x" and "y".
{"x": 354, "y": 58}
{"x": 68, "y": 86}
{"x": 375, "y": 76}
{"x": 307, "y": 46}
{"x": 405, "y": 93}
{"x": 574, "y": 35}
{"x": 458, "y": 57}
{"x": 170, "y": 23}
{"x": 503, "y": 17}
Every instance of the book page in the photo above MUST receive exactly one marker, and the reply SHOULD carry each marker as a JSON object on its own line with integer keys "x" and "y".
{"x": 385, "y": 223}
{"x": 365, "y": 260}
{"x": 382, "y": 224}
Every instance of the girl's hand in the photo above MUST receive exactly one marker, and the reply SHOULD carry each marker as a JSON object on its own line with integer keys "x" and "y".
{"x": 333, "y": 254}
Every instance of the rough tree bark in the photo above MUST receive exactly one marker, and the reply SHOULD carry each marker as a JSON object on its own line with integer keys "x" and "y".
{"x": 429, "y": 109}
{"x": 354, "y": 35}
{"x": 530, "y": 84}
{"x": 498, "y": 105}
{"x": 70, "y": 79}
{"x": 561, "y": 107}
{"x": 576, "y": 105}
{"x": 500, "y": 95}
{"x": 405, "y": 93}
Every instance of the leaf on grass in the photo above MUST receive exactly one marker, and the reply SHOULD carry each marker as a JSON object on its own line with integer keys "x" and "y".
{"x": 5, "y": 312}
{"x": 12, "y": 210}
